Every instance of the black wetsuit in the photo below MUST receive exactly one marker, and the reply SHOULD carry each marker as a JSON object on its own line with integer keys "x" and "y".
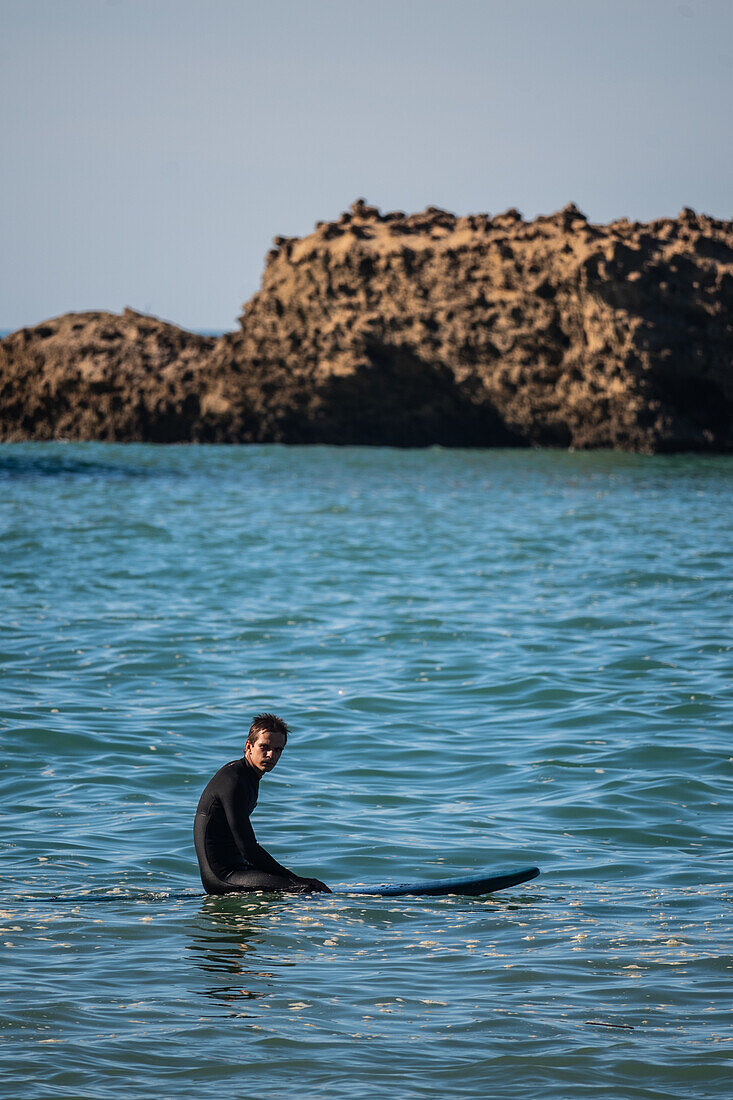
{"x": 230, "y": 859}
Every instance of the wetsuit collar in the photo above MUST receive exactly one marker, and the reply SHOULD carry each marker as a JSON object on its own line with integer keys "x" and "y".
{"x": 251, "y": 771}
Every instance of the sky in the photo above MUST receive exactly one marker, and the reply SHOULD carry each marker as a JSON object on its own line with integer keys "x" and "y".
{"x": 152, "y": 148}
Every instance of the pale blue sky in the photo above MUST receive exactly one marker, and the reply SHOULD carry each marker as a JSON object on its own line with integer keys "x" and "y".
{"x": 152, "y": 148}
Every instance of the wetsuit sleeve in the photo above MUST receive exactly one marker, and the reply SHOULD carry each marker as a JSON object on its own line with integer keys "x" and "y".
{"x": 244, "y": 837}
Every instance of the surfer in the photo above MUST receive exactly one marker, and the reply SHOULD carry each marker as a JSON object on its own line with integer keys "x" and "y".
{"x": 230, "y": 859}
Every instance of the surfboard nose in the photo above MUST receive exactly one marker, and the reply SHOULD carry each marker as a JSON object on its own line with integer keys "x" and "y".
{"x": 468, "y": 887}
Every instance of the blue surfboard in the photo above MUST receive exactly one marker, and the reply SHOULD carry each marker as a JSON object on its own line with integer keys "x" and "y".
{"x": 471, "y": 887}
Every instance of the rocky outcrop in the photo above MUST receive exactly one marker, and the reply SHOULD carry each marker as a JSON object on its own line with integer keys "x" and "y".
{"x": 103, "y": 376}
{"x": 476, "y": 330}
{"x": 419, "y": 329}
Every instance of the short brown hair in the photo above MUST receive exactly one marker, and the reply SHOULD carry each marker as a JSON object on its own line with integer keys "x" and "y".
{"x": 266, "y": 723}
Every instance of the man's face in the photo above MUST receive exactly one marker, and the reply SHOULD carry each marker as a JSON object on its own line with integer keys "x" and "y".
{"x": 266, "y": 751}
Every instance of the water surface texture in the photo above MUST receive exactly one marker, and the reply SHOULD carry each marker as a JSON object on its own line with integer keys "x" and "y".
{"x": 487, "y": 659}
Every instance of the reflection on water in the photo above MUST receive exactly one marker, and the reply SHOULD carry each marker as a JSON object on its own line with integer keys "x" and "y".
{"x": 224, "y": 939}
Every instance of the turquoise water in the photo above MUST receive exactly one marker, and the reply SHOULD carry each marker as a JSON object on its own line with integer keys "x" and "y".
{"x": 487, "y": 659}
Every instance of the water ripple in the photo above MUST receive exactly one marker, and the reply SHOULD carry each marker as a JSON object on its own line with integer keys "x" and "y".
{"x": 486, "y": 658}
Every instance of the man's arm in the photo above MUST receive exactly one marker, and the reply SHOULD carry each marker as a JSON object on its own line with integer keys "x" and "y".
{"x": 252, "y": 852}
{"x": 263, "y": 861}
{"x": 245, "y": 839}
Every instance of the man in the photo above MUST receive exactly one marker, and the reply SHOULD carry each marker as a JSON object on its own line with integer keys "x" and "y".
{"x": 230, "y": 859}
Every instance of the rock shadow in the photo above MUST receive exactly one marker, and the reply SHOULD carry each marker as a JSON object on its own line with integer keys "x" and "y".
{"x": 395, "y": 398}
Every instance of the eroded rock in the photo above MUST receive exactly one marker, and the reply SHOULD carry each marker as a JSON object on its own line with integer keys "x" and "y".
{"x": 477, "y": 330}
{"x": 418, "y": 329}
{"x": 105, "y": 376}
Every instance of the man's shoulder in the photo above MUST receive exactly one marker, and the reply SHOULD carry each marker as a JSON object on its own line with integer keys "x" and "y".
{"x": 226, "y": 776}
{"x": 233, "y": 770}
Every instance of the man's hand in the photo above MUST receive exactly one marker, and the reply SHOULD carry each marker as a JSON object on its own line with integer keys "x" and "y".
{"x": 316, "y": 885}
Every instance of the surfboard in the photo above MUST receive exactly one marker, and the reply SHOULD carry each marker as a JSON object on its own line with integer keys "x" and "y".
{"x": 471, "y": 887}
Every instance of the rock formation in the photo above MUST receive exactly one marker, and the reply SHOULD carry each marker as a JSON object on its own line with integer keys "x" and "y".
{"x": 102, "y": 376}
{"x": 419, "y": 329}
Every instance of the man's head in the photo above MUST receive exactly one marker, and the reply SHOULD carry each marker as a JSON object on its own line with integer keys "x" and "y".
{"x": 266, "y": 740}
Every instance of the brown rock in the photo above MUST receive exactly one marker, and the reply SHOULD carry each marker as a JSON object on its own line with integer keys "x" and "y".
{"x": 104, "y": 376}
{"x": 434, "y": 329}
{"x": 418, "y": 329}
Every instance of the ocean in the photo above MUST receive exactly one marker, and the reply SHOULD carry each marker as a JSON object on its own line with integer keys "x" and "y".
{"x": 487, "y": 659}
